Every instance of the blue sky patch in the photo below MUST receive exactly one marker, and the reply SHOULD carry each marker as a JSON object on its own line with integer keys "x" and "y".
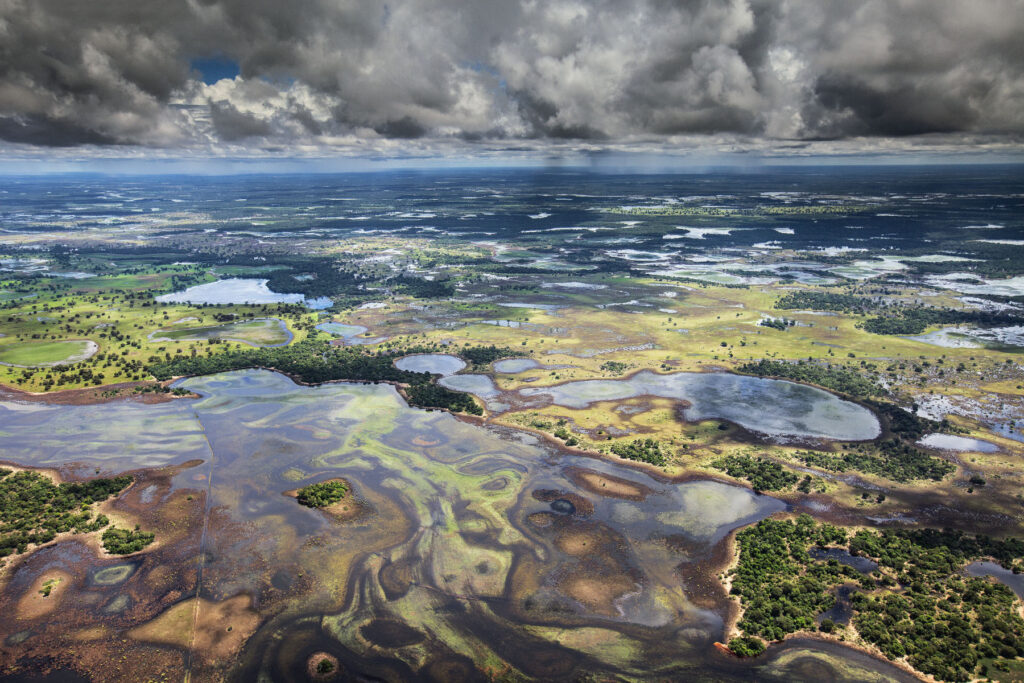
{"x": 214, "y": 69}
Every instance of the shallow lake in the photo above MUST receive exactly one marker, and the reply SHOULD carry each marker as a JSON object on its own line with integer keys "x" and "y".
{"x": 768, "y": 406}
{"x": 515, "y": 365}
{"x": 478, "y": 385}
{"x": 266, "y": 332}
{"x": 449, "y": 515}
{"x": 949, "y": 338}
{"x": 238, "y": 291}
{"x": 435, "y": 363}
{"x": 951, "y": 442}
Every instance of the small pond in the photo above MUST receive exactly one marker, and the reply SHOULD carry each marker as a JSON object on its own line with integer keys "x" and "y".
{"x": 515, "y": 365}
{"x": 478, "y": 385}
{"x": 950, "y": 442}
{"x": 434, "y": 363}
{"x": 341, "y": 329}
{"x": 842, "y": 556}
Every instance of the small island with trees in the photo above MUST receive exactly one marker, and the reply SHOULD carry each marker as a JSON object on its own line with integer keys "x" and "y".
{"x": 322, "y": 494}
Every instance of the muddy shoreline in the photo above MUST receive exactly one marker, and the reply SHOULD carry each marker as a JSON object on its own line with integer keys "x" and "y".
{"x": 85, "y": 396}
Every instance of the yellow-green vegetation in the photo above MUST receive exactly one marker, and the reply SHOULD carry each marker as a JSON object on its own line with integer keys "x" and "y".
{"x": 36, "y": 354}
{"x": 118, "y": 317}
{"x": 48, "y": 587}
{"x": 914, "y": 605}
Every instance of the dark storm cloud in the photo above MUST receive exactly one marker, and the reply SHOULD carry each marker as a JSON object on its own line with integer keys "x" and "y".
{"x": 361, "y": 72}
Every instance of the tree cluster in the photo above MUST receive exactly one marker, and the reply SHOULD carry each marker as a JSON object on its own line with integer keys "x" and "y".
{"x": 916, "y": 605}
{"x": 763, "y": 474}
{"x": 642, "y": 450}
{"x": 322, "y": 494}
{"x": 33, "y": 510}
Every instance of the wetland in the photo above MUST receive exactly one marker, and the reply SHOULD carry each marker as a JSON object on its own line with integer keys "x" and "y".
{"x": 522, "y": 536}
{"x": 513, "y": 426}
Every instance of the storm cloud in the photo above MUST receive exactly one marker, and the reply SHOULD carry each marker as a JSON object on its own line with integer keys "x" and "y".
{"x": 351, "y": 74}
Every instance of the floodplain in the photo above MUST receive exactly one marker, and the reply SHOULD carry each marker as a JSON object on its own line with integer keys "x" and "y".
{"x": 561, "y": 411}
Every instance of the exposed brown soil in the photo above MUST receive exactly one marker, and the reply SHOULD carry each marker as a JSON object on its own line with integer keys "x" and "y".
{"x": 314, "y": 663}
{"x": 92, "y": 395}
{"x": 220, "y": 628}
{"x": 608, "y": 485}
{"x": 34, "y": 604}
{"x": 598, "y": 593}
{"x": 348, "y": 509}
{"x": 541, "y": 520}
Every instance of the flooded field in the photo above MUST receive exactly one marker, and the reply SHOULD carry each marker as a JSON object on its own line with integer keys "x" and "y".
{"x": 462, "y": 552}
{"x": 258, "y": 332}
{"x": 998, "y": 338}
{"x": 766, "y": 406}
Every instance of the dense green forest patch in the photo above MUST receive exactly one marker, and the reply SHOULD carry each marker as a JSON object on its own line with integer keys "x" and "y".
{"x": 825, "y": 301}
{"x": 763, "y": 474}
{"x": 892, "y": 459}
{"x": 916, "y": 605}
{"x": 322, "y": 494}
{"x": 916, "y": 320}
{"x": 314, "y": 361}
{"x": 34, "y": 510}
{"x": 428, "y": 395}
{"x": 780, "y": 324}
{"x": 643, "y": 450}
{"x": 893, "y": 318}
{"x": 124, "y": 541}
{"x": 480, "y": 356}
{"x": 835, "y": 377}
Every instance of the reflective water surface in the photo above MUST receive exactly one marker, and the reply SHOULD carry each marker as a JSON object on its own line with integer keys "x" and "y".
{"x": 461, "y": 552}
{"x": 768, "y": 406}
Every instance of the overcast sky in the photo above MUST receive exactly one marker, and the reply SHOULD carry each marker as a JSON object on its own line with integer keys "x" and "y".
{"x": 487, "y": 78}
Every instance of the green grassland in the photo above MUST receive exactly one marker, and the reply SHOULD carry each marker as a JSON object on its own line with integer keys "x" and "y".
{"x": 709, "y": 328}
{"x": 40, "y": 353}
{"x": 261, "y": 332}
{"x": 119, "y": 313}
